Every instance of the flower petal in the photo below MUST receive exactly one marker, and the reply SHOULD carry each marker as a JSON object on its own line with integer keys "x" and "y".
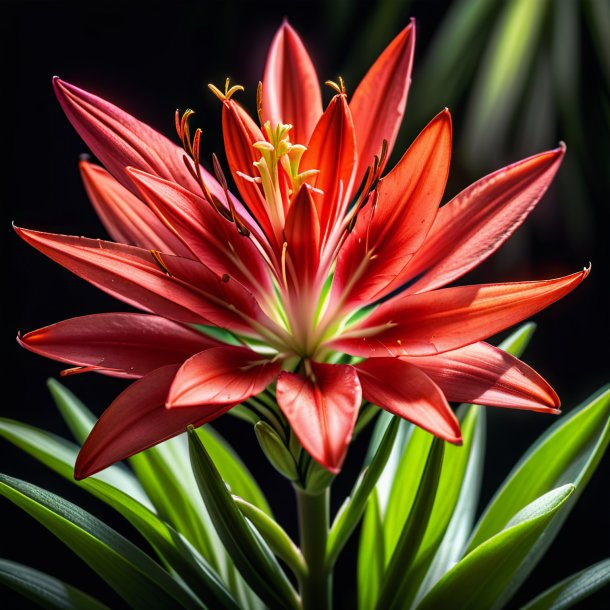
{"x": 483, "y": 374}
{"x": 119, "y": 140}
{"x": 291, "y": 91}
{"x": 210, "y": 237}
{"x": 117, "y": 344}
{"x": 137, "y": 420}
{"x": 322, "y": 409}
{"x": 386, "y": 236}
{"x": 446, "y": 319}
{"x": 240, "y": 133}
{"x": 127, "y": 219}
{"x": 404, "y": 390}
{"x": 178, "y": 288}
{"x": 332, "y": 151}
{"x": 221, "y": 375}
{"x": 302, "y": 233}
{"x": 475, "y": 223}
{"x": 378, "y": 104}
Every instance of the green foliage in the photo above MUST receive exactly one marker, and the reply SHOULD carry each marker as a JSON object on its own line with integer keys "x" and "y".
{"x": 46, "y": 591}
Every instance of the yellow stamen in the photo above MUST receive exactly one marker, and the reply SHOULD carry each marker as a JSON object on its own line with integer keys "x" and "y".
{"x": 229, "y": 91}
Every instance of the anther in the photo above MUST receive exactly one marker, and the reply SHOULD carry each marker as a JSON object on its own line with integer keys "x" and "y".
{"x": 158, "y": 258}
{"x": 229, "y": 91}
{"x": 338, "y": 87}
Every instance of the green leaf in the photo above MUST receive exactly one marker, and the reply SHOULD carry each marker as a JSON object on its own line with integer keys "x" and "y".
{"x": 164, "y": 472}
{"x": 274, "y": 536}
{"x": 255, "y": 563}
{"x": 45, "y": 590}
{"x": 232, "y": 469}
{"x": 481, "y": 577}
{"x": 453, "y": 471}
{"x": 458, "y": 530}
{"x": 129, "y": 571}
{"x": 276, "y": 451}
{"x": 573, "y": 589}
{"x": 394, "y": 584}
{"x": 566, "y": 453}
{"x": 404, "y": 486}
{"x": 371, "y": 554}
{"x": 80, "y": 421}
{"x": 350, "y": 513}
{"x": 60, "y": 455}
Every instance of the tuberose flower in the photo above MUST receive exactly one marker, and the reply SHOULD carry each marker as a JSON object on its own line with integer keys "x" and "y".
{"x": 328, "y": 272}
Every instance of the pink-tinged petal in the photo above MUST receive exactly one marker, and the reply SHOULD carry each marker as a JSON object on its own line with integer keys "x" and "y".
{"x": 119, "y": 140}
{"x": 174, "y": 287}
{"x": 406, "y": 391}
{"x": 446, "y": 319}
{"x": 378, "y": 104}
{"x": 322, "y": 409}
{"x": 240, "y": 133}
{"x": 483, "y": 374}
{"x": 117, "y": 344}
{"x": 127, "y": 219}
{"x": 291, "y": 91}
{"x": 475, "y": 223}
{"x": 302, "y": 232}
{"x": 211, "y": 238}
{"x": 386, "y": 236}
{"x": 136, "y": 420}
{"x": 332, "y": 151}
{"x": 221, "y": 375}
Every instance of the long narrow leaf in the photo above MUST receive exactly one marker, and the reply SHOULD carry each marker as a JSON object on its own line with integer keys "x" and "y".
{"x": 573, "y": 589}
{"x": 567, "y": 453}
{"x": 60, "y": 455}
{"x": 350, "y": 513}
{"x": 394, "y": 585}
{"x": 232, "y": 469}
{"x": 45, "y": 590}
{"x": 371, "y": 555}
{"x": 479, "y": 579}
{"x": 129, "y": 571}
{"x": 254, "y": 562}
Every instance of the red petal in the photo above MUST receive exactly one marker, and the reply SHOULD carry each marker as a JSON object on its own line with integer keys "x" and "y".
{"x": 210, "y": 237}
{"x": 127, "y": 219}
{"x": 483, "y": 374}
{"x": 291, "y": 91}
{"x": 221, "y": 375}
{"x": 449, "y": 318}
{"x": 475, "y": 223}
{"x": 240, "y": 133}
{"x": 378, "y": 104}
{"x": 185, "y": 291}
{"x": 404, "y": 390}
{"x": 386, "y": 237}
{"x": 332, "y": 150}
{"x": 302, "y": 233}
{"x": 322, "y": 410}
{"x": 137, "y": 420}
{"x": 120, "y": 344}
{"x": 119, "y": 140}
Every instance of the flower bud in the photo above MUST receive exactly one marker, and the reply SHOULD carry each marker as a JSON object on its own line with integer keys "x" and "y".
{"x": 275, "y": 450}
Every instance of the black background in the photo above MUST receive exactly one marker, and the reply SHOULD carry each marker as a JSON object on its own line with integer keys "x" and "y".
{"x": 151, "y": 58}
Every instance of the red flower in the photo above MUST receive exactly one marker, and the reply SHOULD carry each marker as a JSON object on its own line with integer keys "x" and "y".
{"x": 297, "y": 271}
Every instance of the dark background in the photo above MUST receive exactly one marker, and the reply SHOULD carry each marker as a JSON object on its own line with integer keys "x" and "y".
{"x": 151, "y": 58}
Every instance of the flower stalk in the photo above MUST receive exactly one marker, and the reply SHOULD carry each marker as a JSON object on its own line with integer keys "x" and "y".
{"x": 315, "y": 584}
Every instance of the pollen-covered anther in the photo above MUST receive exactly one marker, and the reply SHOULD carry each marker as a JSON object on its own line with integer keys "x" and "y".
{"x": 229, "y": 91}
{"x": 339, "y": 87}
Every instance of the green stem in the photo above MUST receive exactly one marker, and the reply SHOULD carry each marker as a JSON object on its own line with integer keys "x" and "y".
{"x": 316, "y": 584}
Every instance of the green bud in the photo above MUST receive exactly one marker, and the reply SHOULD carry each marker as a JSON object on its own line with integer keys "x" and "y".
{"x": 275, "y": 450}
